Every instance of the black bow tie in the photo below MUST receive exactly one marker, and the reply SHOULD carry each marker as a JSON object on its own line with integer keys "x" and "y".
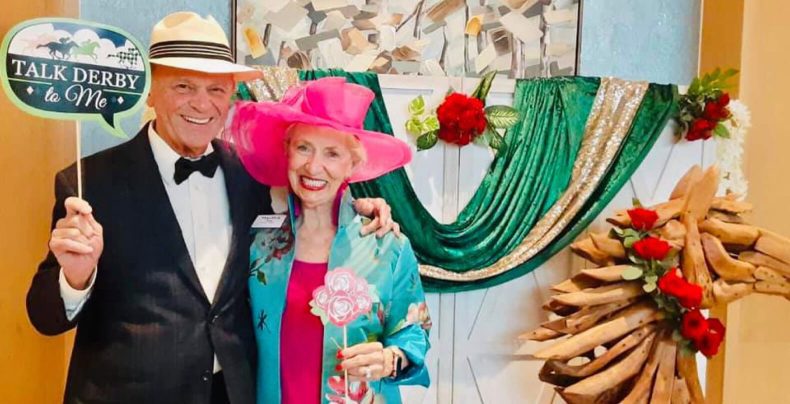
{"x": 206, "y": 165}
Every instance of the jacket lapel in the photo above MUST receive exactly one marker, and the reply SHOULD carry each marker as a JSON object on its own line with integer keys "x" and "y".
{"x": 157, "y": 215}
{"x": 239, "y": 200}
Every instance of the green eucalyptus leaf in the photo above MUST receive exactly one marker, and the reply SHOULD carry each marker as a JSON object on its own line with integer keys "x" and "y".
{"x": 427, "y": 140}
{"x": 417, "y": 106}
{"x": 629, "y": 241}
{"x": 649, "y": 287}
{"x": 652, "y": 278}
{"x": 633, "y": 258}
{"x": 501, "y": 116}
{"x": 632, "y": 273}
{"x": 631, "y": 233}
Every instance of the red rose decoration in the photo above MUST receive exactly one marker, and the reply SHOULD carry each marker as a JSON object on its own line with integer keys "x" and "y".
{"x": 642, "y": 219}
{"x": 715, "y": 326}
{"x": 709, "y": 343}
{"x": 651, "y": 248}
{"x": 694, "y": 326}
{"x": 689, "y": 295}
{"x": 701, "y": 128}
{"x": 461, "y": 119}
{"x": 714, "y": 112}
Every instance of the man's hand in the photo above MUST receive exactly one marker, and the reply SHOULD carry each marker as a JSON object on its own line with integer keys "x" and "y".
{"x": 380, "y": 211}
{"x": 77, "y": 243}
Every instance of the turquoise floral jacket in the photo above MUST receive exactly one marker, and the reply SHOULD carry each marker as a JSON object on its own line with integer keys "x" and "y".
{"x": 399, "y": 318}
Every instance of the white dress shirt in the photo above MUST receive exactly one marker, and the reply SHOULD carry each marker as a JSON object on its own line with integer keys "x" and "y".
{"x": 203, "y": 213}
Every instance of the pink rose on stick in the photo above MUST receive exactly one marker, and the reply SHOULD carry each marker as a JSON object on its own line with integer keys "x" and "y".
{"x": 344, "y": 296}
{"x": 342, "y": 299}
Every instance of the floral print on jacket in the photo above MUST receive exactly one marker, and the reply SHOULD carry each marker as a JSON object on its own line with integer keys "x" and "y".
{"x": 400, "y": 317}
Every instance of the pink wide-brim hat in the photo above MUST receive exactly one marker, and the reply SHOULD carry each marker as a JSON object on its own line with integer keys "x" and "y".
{"x": 258, "y": 129}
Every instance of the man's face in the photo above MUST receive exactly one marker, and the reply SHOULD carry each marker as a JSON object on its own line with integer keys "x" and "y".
{"x": 191, "y": 107}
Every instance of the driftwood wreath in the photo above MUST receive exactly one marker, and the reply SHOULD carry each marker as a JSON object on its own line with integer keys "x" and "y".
{"x": 616, "y": 337}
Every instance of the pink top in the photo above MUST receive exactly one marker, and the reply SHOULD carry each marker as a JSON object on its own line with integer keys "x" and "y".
{"x": 302, "y": 336}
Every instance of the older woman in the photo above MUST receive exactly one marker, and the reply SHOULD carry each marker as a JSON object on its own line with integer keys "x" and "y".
{"x": 313, "y": 143}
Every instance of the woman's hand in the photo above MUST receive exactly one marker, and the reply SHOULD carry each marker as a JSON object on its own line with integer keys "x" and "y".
{"x": 368, "y": 361}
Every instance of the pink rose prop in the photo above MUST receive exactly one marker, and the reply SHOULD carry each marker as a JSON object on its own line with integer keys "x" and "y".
{"x": 343, "y": 297}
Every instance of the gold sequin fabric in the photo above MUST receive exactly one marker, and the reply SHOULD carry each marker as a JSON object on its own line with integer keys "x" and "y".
{"x": 275, "y": 82}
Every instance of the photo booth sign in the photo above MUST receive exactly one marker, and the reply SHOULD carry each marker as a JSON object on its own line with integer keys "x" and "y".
{"x": 74, "y": 70}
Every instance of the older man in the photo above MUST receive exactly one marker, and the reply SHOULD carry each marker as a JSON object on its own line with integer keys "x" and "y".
{"x": 158, "y": 288}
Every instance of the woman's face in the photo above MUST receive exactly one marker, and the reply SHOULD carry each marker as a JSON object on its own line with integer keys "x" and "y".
{"x": 319, "y": 161}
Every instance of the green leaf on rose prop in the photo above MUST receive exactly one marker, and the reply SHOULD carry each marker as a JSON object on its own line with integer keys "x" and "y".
{"x": 414, "y": 126}
{"x": 632, "y": 273}
{"x": 497, "y": 142}
{"x": 481, "y": 92}
{"x": 484, "y": 139}
{"x": 417, "y": 106}
{"x": 430, "y": 124}
{"x": 651, "y": 278}
{"x": 721, "y": 131}
{"x": 501, "y": 116}
{"x": 427, "y": 140}
{"x": 617, "y": 231}
{"x": 635, "y": 201}
{"x": 629, "y": 241}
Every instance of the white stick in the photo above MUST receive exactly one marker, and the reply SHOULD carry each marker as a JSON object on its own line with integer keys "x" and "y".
{"x": 79, "y": 160}
{"x": 345, "y": 371}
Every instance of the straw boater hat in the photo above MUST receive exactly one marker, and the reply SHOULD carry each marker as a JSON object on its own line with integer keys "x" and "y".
{"x": 186, "y": 40}
{"x": 258, "y": 129}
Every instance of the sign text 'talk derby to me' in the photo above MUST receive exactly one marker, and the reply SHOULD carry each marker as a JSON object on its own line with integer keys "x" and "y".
{"x": 72, "y": 69}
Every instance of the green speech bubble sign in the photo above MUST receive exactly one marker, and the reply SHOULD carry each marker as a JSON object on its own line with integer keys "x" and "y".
{"x": 62, "y": 68}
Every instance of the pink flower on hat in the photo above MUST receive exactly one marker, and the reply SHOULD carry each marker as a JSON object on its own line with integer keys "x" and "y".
{"x": 343, "y": 297}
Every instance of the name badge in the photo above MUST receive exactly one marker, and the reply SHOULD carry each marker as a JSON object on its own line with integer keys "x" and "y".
{"x": 268, "y": 221}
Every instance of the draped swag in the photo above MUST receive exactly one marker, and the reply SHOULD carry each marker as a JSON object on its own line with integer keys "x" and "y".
{"x": 578, "y": 141}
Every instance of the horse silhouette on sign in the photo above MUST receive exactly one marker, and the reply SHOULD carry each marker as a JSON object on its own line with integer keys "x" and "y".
{"x": 86, "y": 48}
{"x": 127, "y": 58}
{"x": 59, "y": 50}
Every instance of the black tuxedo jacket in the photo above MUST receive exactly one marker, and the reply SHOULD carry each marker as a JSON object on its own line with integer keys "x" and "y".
{"x": 148, "y": 333}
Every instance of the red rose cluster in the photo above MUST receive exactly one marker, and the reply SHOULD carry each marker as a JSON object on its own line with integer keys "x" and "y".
{"x": 689, "y": 295}
{"x": 652, "y": 248}
{"x": 714, "y": 112}
{"x": 642, "y": 219}
{"x": 461, "y": 119}
{"x": 706, "y": 333}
